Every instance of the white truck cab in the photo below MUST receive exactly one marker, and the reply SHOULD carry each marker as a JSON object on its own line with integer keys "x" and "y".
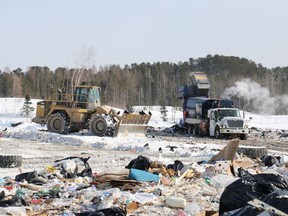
{"x": 207, "y": 116}
{"x": 227, "y": 121}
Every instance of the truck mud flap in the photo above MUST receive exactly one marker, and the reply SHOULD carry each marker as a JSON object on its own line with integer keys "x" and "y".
{"x": 132, "y": 125}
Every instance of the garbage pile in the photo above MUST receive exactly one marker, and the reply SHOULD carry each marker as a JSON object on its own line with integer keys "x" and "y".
{"x": 254, "y": 133}
{"x": 227, "y": 184}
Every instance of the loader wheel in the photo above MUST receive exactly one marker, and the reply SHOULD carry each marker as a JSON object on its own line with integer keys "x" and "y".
{"x": 98, "y": 126}
{"x": 57, "y": 123}
{"x": 10, "y": 161}
{"x": 74, "y": 129}
{"x": 217, "y": 133}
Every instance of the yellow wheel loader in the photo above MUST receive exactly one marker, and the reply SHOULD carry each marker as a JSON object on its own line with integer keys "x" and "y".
{"x": 66, "y": 113}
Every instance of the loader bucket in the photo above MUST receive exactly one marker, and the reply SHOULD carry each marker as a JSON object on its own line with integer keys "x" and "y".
{"x": 132, "y": 125}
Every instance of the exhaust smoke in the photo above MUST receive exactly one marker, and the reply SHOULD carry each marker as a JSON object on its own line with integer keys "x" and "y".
{"x": 257, "y": 98}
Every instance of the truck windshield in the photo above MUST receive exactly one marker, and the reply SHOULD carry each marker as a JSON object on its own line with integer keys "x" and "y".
{"x": 231, "y": 113}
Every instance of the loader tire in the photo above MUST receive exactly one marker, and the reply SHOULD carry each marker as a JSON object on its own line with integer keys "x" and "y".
{"x": 58, "y": 123}
{"x": 253, "y": 151}
{"x": 98, "y": 126}
{"x": 10, "y": 161}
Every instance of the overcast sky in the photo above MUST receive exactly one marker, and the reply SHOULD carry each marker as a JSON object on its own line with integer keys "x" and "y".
{"x": 52, "y": 33}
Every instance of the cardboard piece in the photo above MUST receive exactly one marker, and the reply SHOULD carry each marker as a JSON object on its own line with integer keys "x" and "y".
{"x": 124, "y": 183}
{"x": 224, "y": 167}
{"x": 131, "y": 207}
{"x": 243, "y": 162}
{"x": 228, "y": 152}
{"x": 104, "y": 177}
{"x": 184, "y": 174}
{"x": 208, "y": 213}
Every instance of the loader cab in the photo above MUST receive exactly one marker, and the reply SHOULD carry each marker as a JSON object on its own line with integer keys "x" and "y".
{"x": 87, "y": 97}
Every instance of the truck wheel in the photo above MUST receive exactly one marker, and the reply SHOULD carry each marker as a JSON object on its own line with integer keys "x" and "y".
{"x": 189, "y": 129}
{"x": 58, "y": 123}
{"x": 10, "y": 161}
{"x": 195, "y": 131}
{"x": 201, "y": 133}
{"x": 243, "y": 136}
{"x": 98, "y": 126}
{"x": 217, "y": 133}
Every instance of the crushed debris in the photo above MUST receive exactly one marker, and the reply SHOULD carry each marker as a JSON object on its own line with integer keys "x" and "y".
{"x": 146, "y": 187}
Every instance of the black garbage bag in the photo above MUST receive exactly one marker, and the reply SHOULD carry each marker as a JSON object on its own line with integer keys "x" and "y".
{"x": 113, "y": 211}
{"x": 177, "y": 166}
{"x": 177, "y": 128}
{"x": 141, "y": 163}
{"x": 237, "y": 194}
{"x": 82, "y": 167}
{"x": 269, "y": 160}
{"x": 244, "y": 211}
{"x": 30, "y": 177}
{"x": 278, "y": 199}
{"x": 13, "y": 201}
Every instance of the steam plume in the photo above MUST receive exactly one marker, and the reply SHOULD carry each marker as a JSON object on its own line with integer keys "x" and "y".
{"x": 257, "y": 98}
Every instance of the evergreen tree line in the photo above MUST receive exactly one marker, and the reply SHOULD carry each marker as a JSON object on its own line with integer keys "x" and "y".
{"x": 142, "y": 84}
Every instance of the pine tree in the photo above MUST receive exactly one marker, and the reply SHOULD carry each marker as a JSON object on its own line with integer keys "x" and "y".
{"x": 27, "y": 108}
{"x": 163, "y": 112}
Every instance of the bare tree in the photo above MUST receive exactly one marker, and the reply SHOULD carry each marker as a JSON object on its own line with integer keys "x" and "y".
{"x": 85, "y": 62}
{"x": 17, "y": 83}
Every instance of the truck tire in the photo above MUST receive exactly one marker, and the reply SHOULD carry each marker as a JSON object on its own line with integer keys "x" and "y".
{"x": 189, "y": 129}
{"x": 243, "y": 136}
{"x": 58, "y": 123}
{"x": 10, "y": 161}
{"x": 201, "y": 133}
{"x": 217, "y": 133}
{"x": 98, "y": 126}
{"x": 195, "y": 131}
{"x": 253, "y": 151}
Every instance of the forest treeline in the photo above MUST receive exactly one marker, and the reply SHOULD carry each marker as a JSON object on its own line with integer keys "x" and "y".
{"x": 142, "y": 84}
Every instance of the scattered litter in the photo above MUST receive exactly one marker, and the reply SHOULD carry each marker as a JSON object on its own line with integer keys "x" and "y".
{"x": 16, "y": 124}
{"x": 227, "y": 184}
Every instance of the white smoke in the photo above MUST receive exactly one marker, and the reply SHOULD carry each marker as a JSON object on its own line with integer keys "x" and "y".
{"x": 257, "y": 98}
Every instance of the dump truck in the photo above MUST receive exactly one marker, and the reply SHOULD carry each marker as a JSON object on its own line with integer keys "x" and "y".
{"x": 66, "y": 113}
{"x": 206, "y": 116}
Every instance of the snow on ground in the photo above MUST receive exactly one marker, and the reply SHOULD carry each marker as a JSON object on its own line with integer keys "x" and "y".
{"x": 110, "y": 152}
{"x": 10, "y": 110}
